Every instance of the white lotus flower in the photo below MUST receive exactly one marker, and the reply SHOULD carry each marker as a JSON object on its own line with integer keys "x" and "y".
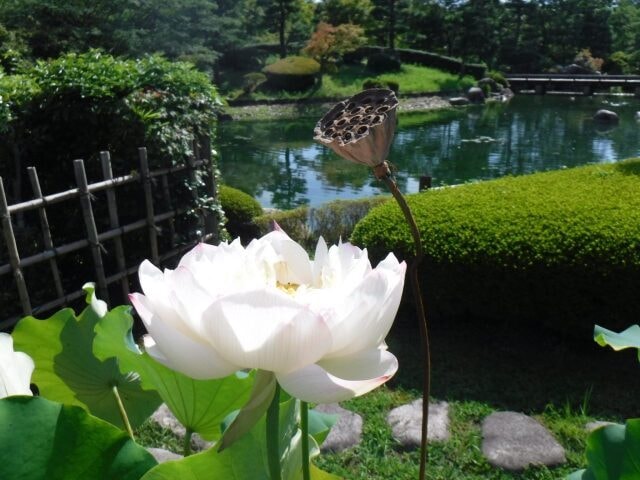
{"x": 15, "y": 369}
{"x": 318, "y": 325}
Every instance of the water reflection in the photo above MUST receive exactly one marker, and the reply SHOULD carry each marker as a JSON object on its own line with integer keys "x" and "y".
{"x": 279, "y": 164}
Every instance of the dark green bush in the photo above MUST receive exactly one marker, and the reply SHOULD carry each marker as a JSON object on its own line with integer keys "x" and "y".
{"x": 383, "y": 63}
{"x": 252, "y": 80}
{"x": 292, "y": 73}
{"x": 294, "y": 222}
{"x": 240, "y": 209}
{"x": 560, "y": 247}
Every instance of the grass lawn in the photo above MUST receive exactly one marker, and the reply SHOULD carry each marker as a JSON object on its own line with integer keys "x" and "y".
{"x": 480, "y": 367}
{"x": 349, "y": 79}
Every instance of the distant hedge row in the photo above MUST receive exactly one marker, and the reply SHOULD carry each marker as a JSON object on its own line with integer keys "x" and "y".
{"x": 427, "y": 59}
{"x": 560, "y": 247}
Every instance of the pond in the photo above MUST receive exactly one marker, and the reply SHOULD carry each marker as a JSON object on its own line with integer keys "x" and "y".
{"x": 280, "y": 165}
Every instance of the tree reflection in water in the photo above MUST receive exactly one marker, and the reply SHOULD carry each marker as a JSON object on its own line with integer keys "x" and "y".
{"x": 278, "y": 162}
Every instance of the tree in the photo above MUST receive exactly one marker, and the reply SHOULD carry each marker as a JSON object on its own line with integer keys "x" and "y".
{"x": 337, "y": 12}
{"x": 287, "y": 17}
{"x": 328, "y": 43}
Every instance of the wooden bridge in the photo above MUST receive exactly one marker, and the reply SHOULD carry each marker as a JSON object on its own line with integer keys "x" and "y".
{"x": 585, "y": 84}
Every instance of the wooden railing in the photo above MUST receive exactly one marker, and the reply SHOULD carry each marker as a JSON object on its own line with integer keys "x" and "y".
{"x": 93, "y": 239}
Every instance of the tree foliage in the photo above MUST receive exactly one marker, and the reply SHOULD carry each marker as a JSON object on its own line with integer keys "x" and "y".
{"x": 328, "y": 43}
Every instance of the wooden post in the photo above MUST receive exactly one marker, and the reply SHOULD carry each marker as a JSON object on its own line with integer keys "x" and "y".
{"x": 46, "y": 231}
{"x": 92, "y": 231}
{"x": 114, "y": 222}
{"x": 14, "y": 257}
{"x": 424, "y": 183}
{"x": 148, "y": 200}
{"x": 211, "y": 219}
{"x": 166, "y": 193}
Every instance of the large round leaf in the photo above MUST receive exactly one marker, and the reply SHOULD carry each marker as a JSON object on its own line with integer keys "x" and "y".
{"x": 41, "y": 439}
{"x": 68, "y": 372}
{"x": 246, "y": 459}
{"x": 200, "y": 405}
{"x": 613, "y": 453}
{"x": 630, "y": 338}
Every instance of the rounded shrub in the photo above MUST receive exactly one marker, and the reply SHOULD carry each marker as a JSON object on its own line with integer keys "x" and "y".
{"x": 292, "y": 73}
{"x": 382, "y": 63}
{"x": 561, "y": 247}
{"x": 240, "y": 210}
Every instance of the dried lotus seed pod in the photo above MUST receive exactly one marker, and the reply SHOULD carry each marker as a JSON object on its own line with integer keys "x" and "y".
{"x": 361, "y": 128}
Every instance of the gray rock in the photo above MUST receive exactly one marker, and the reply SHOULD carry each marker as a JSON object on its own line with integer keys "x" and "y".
{"x": 475, "y": 95}
{"x": 514, "y": 441}
{"x": 606, "y": 116}
{"x": 346, "y": 433}
{"x": 163, "y": 417}
{"x": 459, "y": 101}
{"x": 161, "y": 455}
{"x": 591, "y": 426}
{"x": 406, "y": 423}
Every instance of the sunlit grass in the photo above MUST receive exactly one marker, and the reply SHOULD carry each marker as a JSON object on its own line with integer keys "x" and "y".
{"x": 348, "y": 80}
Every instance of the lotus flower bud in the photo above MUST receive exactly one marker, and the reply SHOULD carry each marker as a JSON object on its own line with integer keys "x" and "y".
{"x": 361, "y": 128}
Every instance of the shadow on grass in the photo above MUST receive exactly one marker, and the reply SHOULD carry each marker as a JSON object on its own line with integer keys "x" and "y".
{"x": 517, "y": 367}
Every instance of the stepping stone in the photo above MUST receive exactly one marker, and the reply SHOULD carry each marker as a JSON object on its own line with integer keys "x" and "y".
{"x": 406, "y": 423}
{"x": 346, "y": 433}
{"x": 591, "y": 426}
{"x": 163, "y": 417}
{"x": 514, "y": 441}
{"x": 161, "y": 455}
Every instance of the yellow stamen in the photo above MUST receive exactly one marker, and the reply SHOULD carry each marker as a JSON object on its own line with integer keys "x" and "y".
{"x": 289, "y": 288}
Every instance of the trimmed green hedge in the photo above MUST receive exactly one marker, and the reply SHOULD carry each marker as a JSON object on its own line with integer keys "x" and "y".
{"x": 292, "y": 73}
{"x": 240, "y": 209}
{"x": 561, "y": 247}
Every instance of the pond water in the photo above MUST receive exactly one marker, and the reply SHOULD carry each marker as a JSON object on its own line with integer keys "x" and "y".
{"x": 279, "y": 163}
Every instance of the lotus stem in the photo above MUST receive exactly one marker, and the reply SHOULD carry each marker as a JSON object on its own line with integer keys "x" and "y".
{"x": 123, "y": 412}
{"x": 304, "y": 426}
{"x": 273, "y": 436}
{"x": 186, "y": 442}
{"x": 384, "y": 174}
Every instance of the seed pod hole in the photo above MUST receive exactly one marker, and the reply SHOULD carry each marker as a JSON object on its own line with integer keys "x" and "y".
{"x": 356, "y": 111}
{"x": 355, "y": 119}
{"x": 377, "y": 119}
{"x": 335, "y": 135}
{"x": 340, "y": 122}
{"x": 369, "y": 109}
{"x": 382, "y": 108}
{"x": 347, "y": 136}
{"x": 329, "y": 131}
{"x": 362, "y": 129}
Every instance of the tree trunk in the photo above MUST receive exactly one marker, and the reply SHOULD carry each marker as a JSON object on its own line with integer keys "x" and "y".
{"x": 392, "y": 25}
{"x": 281, "y": 29}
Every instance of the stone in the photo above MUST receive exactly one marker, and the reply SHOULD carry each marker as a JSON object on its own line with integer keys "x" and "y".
{"x": 459, "y": 101}
{"x": 591, "y": 426}
{"x": 475, "y": 95}
{"x": 346, "y": 433}
{"x": 513, "y": 441}
{"x": 163, "y": 417}
{"x": 606, "y": 116}
{"x": 406, "y": 423}
{"x": 161, "y": 455}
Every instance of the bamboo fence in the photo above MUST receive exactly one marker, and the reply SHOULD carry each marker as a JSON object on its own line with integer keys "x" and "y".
{"x": 93, "y": 239}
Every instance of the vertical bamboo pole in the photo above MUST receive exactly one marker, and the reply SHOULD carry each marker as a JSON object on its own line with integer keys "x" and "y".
{"x": 212, "y": 219}
{"x": 46, "y": 231}
{"x": 90, "y": 224}
{"x": 166, "y": 193}
{"x": 107, "y": 174}
{"x": 148, "y": 200}
{"x": 14, "y": 257}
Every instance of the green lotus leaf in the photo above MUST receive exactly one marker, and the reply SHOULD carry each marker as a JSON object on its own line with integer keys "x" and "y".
{"x": 200, "y": 405}
{"x": 246, "y": 459}
{"x": 613, "y": 453}
{"x": 320, "y": 425}
{"x": 43, "y": 439}
{"x": 630, "y": 338}
{"x": 67, "y": 371}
